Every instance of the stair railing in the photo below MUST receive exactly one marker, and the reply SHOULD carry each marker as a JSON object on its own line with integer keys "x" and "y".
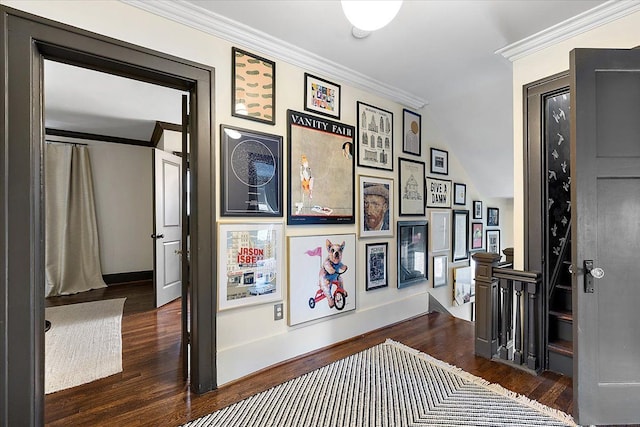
{"x": 508, "y": 313}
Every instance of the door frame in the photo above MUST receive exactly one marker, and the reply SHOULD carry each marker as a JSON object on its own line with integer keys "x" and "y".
{"x": 27, "y": 40}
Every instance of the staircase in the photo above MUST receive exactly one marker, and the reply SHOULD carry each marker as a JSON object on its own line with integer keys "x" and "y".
{"x": 560, "y": 314}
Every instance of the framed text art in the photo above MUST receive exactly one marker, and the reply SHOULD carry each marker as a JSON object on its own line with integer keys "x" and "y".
{"x": 322, "y": 276}
{"x": 375, "y": 137}
{"x": 377, "y": 266}
{"x": 460, "y": 236}
{"x": 459, "y": 194}
{"x": 321, "y": 171}
{"x": 438, "y": 193}
{"x": 251, "y": 173}
{"x": 412, "y": 252}
{"x": 440, "y": 270}
{"x": 411, "y": 174}
{"x": 376, "y": 206}
{"x": 253, "y": 87}
{"x": 476, "y": 235}
{"x": 493, "y": 241}
{"x": 477, "y": 209}
{"x": 321, "y": 96}
{"x": 440, "y": 226}
{"x": 439, "y": 161}
{"x": 411, "y": 133}
{"x": 250, "y": 264}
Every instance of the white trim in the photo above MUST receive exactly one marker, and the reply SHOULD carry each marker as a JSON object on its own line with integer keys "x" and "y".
{"x": 592, "y": 18}
{"x": 193, "y": 16}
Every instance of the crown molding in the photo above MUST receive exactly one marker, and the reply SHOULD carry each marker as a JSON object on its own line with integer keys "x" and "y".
{"x": 592, "y": 18}
{"x": 193, "y": 16}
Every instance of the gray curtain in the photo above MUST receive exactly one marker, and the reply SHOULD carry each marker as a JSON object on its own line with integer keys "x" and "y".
{"x": 72, "y": 254}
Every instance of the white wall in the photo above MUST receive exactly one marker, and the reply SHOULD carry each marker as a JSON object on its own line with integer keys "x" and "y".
{"x": 248, "y": 338}
{"x": 622, "y": 33}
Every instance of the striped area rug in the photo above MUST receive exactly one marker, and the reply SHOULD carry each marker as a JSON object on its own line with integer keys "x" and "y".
{"x": 386, "y": 385}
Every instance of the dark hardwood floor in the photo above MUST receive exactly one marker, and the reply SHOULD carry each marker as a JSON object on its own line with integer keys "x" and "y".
{"x": 150, "y": 391}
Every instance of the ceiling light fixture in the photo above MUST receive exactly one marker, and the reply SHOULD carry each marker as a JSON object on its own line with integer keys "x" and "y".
{"x": 368, "y": 16}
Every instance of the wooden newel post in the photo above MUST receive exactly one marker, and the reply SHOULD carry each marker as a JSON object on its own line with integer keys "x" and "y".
{"x": 486, "y": 340}
{"x": 508, "y": 255}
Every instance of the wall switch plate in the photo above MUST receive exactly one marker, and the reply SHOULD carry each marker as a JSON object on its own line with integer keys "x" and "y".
{"x": 277, "y": 312}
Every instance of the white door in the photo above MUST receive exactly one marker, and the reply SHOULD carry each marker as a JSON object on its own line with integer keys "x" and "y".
{"x": 168, "y": 226}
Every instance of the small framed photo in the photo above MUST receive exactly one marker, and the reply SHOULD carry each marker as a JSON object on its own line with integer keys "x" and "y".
{"x": 459, "y": 194}
{"x": 251, "y": 173}
{"x": 439, "y": 161}
{"x": 477, "y": 209}
{"x": 412, "y": 132}
{"x": 438, "y": 193}
{"x": 412, "y": 253}
{"x": 377, "y": 266}
{"x": 250, "y": 264}
{"x": 440, "y": 226}
{"x": 476, "y": 235}
{"x": 460, "y": 236}
{"x": 376, "y": 206}
{"x": 493, "y": 241}
{"x": 253, "y": 87}
{"x": 411, "y": 175}
{"x": 321, "y": 96}
{"x": 375, "y": 137}
{"x": 493, "y": 217}
{"x": 440, "y": 270}
{"x": 463, "y": 286}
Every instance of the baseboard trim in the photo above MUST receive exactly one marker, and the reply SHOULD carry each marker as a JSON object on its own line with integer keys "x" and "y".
{"x": 128, "y": 277}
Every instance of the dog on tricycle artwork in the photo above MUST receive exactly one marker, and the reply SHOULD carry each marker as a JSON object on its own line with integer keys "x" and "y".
{"x": 330, "y": 282}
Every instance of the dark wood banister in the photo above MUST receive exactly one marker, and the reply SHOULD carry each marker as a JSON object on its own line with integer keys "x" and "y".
{"x": 556, "y": 270}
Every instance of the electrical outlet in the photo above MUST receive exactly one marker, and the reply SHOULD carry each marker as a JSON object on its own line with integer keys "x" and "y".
{"x": 277, "y": 312}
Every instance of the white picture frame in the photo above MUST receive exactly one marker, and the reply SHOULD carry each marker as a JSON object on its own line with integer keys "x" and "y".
{"x": 440, "y": 230}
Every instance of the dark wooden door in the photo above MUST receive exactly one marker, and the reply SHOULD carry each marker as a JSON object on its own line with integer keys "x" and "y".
{"x": 605, "y": 127}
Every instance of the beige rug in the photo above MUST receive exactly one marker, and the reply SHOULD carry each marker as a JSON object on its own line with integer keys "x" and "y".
{"x": 83, "y": 344}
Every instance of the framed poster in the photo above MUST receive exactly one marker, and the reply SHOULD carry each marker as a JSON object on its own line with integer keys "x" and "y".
{"x": 493, "y": 217}
{"x": 477, "y": 209}
{"x": 440, "y": 270}
{"x": 376, "y": 206}
{"x": 411, "y": 174}
{"x": 251, "y": 173}
{"x": 463, "y": 286}
{"x": 250, "y": 264}
{"x": 411, "y": 132}
{"x": 459, "y": 194}
{"x": 321, "y": 171}
{"x": 439, "y": 161}
{"x": 377, "y": 266}
{"x": 493, "y": 241}
{"x": 253, "y": 87}
{"x": 460, "y": 236}
{"x": 438, "y": 193}
{"x": 412, "y": 253}
{"x": 375, "y": 137}
{"x": 440, "y": 226}
{"x": 322, "y": 278}
{"x": 321, "y": 96}
{"x": 476, "y": 235}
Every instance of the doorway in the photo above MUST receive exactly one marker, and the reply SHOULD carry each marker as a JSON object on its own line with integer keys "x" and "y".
{"x": 30, "y": 40}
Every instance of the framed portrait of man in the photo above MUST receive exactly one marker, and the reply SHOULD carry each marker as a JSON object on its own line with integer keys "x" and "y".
{"x": 376, "y": 206}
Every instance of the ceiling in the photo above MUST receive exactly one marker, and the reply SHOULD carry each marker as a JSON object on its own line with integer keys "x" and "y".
{"x": 435, "y": 53}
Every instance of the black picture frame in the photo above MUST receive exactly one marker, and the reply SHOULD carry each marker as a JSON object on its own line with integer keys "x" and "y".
{"x": 439, "y": 161}
{"x": 251, "y": 173}
{"x": 493, "y": 217}
{"x": 375, "y": 137}
{"x": 411, "y": 133}
{"x": 460, "y": 235}
{"x": 477, "y": 209}
{"x": 477, "y": 233}
{"x": 459, "y": 194}
{"x": 411, "y": 186}
{"x": 253, "y": 87}
{"x": 493, "y": 241}
{"x": 412, "y": 251}
{"x": 377, "y": 266}
{"x": 321, "y": 96}
{"x": 321, "y": 170}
